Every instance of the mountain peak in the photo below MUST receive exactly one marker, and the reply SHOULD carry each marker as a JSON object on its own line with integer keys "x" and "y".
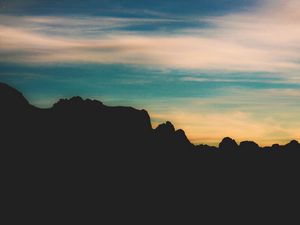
{"x": 228, "y": 144}
{"x": 293, "y": 145}
{"x": 167, "y": 128}
{"x": 77, "y": 102}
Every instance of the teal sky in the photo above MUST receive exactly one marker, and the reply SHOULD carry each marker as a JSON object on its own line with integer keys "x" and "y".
{"x": 214, "y": 68}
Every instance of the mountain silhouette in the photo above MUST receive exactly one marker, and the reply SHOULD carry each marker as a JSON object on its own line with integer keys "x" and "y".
{"x": 71, "y": 123}
{"x": 81, "y": 153}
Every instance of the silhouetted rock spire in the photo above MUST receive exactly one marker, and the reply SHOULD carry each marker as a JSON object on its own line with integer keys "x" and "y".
{"x": 228, "y": 144}
{"x": 166, "y": 130}
{"x": 182, "y": 140}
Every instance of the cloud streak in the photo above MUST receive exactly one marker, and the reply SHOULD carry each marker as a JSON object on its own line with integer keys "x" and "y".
{"x": 265, "y": 40}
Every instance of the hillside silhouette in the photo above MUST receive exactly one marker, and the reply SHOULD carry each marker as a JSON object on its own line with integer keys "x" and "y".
{"x": 74, "y": 124}
{"x": 80, "y": 154}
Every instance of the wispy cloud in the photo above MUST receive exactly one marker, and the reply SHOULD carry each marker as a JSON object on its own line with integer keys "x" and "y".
{"x": 264, "y": 40}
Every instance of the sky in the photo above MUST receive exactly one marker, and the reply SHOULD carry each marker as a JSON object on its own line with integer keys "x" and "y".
{"x": 214, "y": 68}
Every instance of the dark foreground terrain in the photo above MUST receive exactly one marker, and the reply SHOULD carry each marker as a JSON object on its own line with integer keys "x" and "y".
{"x": 81, "y": 157}
{"x": 88, "y": 125}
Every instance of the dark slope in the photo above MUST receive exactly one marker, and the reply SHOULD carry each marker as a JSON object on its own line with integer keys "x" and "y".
{"x": 11, "y": 99}
{"x": 82, "y": 157}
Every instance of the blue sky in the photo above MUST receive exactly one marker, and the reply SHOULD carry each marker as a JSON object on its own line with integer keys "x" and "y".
{"x": 214, "y": 68}
{"x": 123, "y": 8}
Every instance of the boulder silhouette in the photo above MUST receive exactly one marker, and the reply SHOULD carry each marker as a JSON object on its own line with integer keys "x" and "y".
{"x": 228, "y": 144}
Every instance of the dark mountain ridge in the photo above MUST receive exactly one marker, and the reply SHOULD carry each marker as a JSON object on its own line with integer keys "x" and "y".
{"x": 80, "y": 156}
{"x": 75, "y": 122}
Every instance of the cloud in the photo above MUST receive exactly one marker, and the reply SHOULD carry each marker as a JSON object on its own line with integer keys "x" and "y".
{"x": 263, "y": 40}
